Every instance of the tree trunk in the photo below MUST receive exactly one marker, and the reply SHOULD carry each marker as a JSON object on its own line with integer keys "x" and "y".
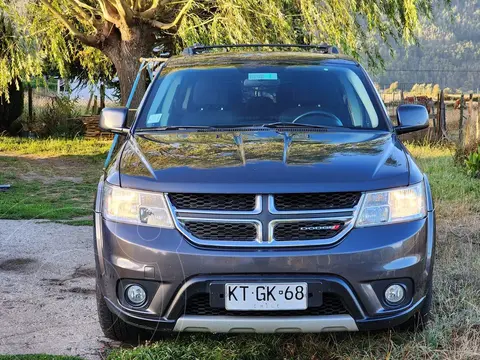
{"x": 125, "y": 56}
{"x": 127, "y": 72}
{"x": 102, "y": 96}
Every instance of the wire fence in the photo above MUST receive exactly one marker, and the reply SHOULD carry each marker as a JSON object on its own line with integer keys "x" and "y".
{"x": 453, "y": 117}
{"x": 49, "y": 112}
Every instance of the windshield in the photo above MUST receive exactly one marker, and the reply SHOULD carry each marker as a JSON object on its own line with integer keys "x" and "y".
{"x": 320, "y": 95}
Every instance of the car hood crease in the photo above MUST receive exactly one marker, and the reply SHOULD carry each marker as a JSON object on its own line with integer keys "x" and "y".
{"x": 265, "y": 161}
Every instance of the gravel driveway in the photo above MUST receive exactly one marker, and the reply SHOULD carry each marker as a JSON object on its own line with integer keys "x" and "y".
{"x": 47, "y": 296}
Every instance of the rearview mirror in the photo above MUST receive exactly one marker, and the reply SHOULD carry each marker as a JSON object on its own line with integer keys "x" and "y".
{"x": 411, "y": 118}
{"x": 114, "y": 120}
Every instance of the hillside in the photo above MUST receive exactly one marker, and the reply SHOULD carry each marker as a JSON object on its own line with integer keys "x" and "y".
{"x": 449, "y": 51}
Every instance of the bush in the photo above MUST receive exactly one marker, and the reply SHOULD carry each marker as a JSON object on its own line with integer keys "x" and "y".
{"x": 60, "y": 118}
{"x": 472, "y": 163}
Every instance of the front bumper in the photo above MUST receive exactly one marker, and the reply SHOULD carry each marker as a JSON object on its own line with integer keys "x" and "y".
{"x": 174, "y": 270}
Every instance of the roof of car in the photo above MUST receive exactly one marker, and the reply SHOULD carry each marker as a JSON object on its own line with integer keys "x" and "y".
{"x": 275, "y": 57}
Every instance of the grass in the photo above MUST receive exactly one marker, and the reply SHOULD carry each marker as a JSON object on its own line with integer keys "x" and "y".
{"x": 50, "y": 179}
{"x": 52, "y": 147}
{"x": 38, "y": 357}
{"x": 454, "y": 332}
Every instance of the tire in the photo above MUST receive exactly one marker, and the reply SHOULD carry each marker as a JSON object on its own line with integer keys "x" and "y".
{"x": 113, "y": 327}
{"x": 420, "y": 319}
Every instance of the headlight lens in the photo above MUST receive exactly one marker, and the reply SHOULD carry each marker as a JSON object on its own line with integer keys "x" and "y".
{"x": 136, "y": 207}
{"x": 393, "y": 206}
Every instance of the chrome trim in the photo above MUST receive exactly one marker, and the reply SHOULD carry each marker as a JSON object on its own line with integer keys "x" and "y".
{"x": 260, "y": 242}
{"x": 257, "y": 210}
{"x": 272, "y": 209}
{"x": 258, "y": 225}
{"x": 259, "y": 324}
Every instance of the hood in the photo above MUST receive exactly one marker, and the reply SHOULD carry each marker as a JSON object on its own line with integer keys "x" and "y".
{"x": 267, "y": 161}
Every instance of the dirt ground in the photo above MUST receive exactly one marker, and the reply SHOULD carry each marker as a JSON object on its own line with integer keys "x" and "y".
{"x": 47, "y": 296}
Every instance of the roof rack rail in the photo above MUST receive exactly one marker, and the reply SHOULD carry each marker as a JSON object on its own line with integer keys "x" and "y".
{"x": 199, "y": 48}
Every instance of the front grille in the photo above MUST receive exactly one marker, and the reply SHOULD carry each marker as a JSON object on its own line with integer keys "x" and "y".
{"x": 221, "y": 231}
{"x": 259, "y": 220}
{"x": 199, "y": 304}
{"x": 306, "y": 230}
{"x": 213, "y": 202}
{"x": 316, "y": 201}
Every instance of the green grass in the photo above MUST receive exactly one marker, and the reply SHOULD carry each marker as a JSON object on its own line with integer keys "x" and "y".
{"x": 449, "y": 182}
{"x": 52, "y": 147}
{"x": 50, "y": 179}
{"x": 38, "y": 357}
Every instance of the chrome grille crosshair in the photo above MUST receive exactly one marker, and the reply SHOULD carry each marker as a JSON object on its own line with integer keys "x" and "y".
{"x": 262, "y": 225}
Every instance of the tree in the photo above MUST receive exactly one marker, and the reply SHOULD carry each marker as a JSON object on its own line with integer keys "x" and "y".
{"x": 11, "y": 101}
{"x": 124, "y": 30}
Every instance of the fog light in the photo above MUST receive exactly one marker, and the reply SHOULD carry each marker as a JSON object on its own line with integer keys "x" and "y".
{"x": 394, "y": 294}
{"x": 136, "y": 295}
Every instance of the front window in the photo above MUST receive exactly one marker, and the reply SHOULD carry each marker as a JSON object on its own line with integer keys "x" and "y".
{"x": 246, "y": 95}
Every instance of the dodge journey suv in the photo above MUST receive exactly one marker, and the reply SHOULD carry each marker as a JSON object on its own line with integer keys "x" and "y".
{"x": 262, "y": 191}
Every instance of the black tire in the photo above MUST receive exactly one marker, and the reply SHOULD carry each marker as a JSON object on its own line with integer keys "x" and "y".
{"x": 420, "y": 319}
{"x": 113, "y": 327}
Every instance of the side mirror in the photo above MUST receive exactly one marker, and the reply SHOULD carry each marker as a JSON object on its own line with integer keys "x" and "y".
{"x": 114, "y": 120}
{"x": 411, "y": 118}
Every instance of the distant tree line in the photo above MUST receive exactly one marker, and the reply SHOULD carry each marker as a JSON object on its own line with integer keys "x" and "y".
{"x": 448, "y": 53}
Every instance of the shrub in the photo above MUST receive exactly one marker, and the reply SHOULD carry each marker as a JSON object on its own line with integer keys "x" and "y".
{"x": 59, "y": 118}
{"x": 472, "y": 163}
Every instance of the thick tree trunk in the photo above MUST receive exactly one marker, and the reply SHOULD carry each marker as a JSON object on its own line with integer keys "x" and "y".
{"x": 127, "y": 72}
{"x": 125, "y": 56}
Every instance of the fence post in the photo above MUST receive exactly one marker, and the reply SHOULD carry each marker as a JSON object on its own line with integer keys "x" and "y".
{"x": 460, "y": 123}
{"x": 89, "y": 103}
{"x": 440, "y": 115}
{"x": 469, "y": 120}
{"x": 102, "y": 96}
{"x": 95, "y": 105}
{"x": 477, "y": 135}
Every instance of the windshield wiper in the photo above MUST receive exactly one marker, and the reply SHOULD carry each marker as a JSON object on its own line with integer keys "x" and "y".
{"x": 177, "y": 127}
{"x": 284, "y": 124}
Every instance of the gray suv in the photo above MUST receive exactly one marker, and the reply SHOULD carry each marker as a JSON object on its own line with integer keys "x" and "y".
{"x": 262, "y": 191}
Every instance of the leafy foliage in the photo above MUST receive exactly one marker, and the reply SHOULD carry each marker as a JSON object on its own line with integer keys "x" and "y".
{"x": 17, "y": 62}
{"x": 124, "y": 30}
{"x": 472, "y": 163}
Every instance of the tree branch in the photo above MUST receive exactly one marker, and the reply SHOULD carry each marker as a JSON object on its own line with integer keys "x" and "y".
{"x": 166, "y": 26}
{"x": 106, "y": 12}
{"x": 85, "y": 6}
{"x": 82, "y": 13}
{"x": 150, "y": 12}
{"x": 124, "y": 11}
{"x": 86, "y": 39}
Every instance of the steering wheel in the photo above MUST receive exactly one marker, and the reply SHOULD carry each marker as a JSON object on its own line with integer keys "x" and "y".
{"x": 333, "y": 117}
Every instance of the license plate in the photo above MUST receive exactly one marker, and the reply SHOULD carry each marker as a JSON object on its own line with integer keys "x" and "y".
{"x": 266, "y": 296}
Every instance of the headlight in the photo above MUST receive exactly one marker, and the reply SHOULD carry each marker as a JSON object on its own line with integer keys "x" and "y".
{"x": 393, "y": 206}
{"x": 135, "y": 207}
